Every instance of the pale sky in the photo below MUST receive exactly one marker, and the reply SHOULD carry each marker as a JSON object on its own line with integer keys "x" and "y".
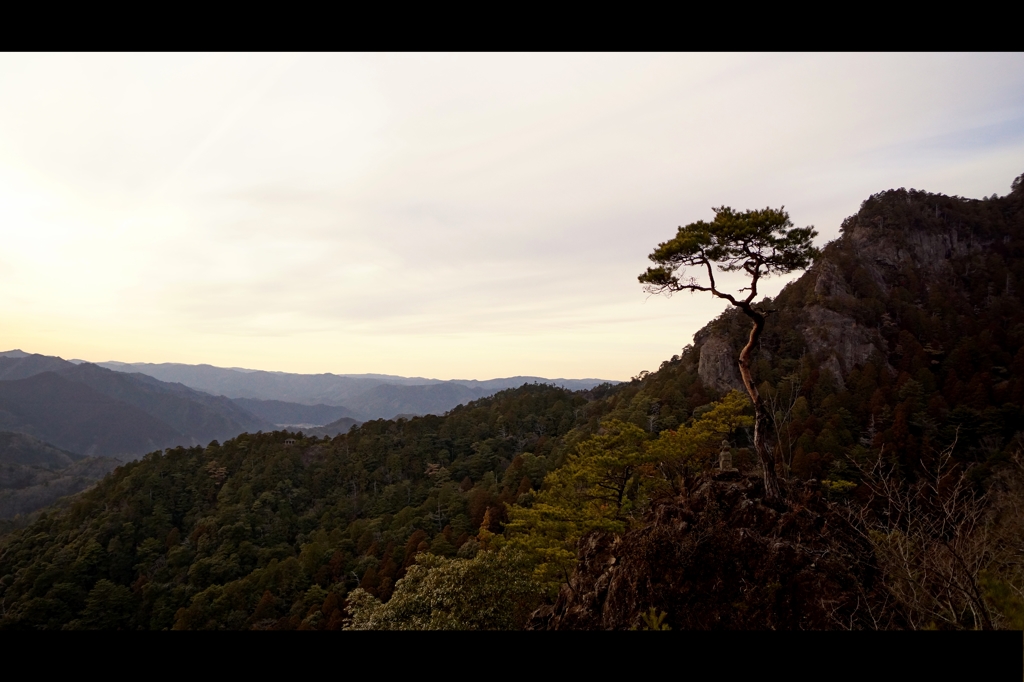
{"x": 451, "y": 216}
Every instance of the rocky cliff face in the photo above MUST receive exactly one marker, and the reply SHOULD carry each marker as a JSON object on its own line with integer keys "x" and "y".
{"x": 895, "y": 233}
{"x": 837, "y": 341}
{"x": 884, "y": 250}
{"x": 717, "y": 366}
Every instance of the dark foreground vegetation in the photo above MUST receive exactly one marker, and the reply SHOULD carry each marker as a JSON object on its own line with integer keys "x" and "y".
{"x": 893, "y": 374}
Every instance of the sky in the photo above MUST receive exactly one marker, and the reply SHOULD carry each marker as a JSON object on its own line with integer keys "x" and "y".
{"x": 442, "y": 215}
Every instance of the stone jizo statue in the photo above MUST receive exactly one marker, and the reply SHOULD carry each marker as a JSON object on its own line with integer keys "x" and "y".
{"x": 725, "y": 457}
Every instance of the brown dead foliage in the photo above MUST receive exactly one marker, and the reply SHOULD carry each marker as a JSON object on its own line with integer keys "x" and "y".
{"x": 722, "y": 557}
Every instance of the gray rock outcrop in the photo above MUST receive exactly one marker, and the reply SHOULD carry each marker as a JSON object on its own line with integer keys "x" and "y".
{"x": 717, "y": 366}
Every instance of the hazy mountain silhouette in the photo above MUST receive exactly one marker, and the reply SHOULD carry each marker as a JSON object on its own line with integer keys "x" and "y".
{"x": 198, "y": 415}
{"x": 367, "y": 396}
{"x": 91, "y": 410}
{"x": 76, "y": 417}
{"x": 126, "y": 410}
{"x": 113, "y": 410}
{"x": 495, "y": 385}
{"x": 307, "y": 389}
{"x": 387, "y": 401}
{"x": 16, "y": 364}
{"x": 333, "y": 429}
{"x": 283, "y": 413}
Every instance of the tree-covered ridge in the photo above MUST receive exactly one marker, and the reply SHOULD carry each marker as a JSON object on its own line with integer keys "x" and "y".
{"x": 258, "y": 532}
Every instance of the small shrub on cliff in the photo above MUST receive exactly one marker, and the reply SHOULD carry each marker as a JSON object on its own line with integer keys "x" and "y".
{"x": 491, "y": 591}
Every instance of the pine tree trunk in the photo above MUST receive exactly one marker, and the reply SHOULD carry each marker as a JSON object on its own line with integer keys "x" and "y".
{"x": 761, "y": 420}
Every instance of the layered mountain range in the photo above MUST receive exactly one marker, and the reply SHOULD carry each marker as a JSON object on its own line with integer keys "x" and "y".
{"x": 122, "y": 410}
{"x": 365, "y": 396}
{"x": 90, "y": 410}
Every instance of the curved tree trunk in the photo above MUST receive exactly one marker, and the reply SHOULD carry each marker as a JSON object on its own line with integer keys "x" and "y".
{"x": 761, "y": 421}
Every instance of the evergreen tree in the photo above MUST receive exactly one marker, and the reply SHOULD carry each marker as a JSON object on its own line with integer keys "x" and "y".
{"x": 760, "y": 243}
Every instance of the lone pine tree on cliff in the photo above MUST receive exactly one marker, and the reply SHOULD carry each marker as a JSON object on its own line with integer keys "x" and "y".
{"x": 761, "y": 243}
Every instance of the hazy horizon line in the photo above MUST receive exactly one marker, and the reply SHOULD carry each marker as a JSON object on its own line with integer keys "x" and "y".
{"x": 274, "y": 371}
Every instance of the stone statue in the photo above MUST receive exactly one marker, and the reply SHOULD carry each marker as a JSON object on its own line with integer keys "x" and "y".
{"x": 725, "y": 457}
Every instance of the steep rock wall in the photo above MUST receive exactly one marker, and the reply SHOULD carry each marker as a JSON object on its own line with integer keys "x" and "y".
{"x": 717, "y": 367}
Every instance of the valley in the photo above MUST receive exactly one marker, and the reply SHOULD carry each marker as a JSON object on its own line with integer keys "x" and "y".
{"x": 110, "y": 410}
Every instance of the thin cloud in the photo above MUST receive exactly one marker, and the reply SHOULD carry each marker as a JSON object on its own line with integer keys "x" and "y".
{"x": 442, "y": 215}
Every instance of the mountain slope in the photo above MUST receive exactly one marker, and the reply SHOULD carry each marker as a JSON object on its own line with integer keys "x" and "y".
{"x": 388, "y": 401}
{"x": 495, "y": 385}
{"x": 75, "y": 417}
{"x": 91, "y": 410}
{"x": 19, "y": 365}
{"x": 48, "y": 487}
{"x": 242, "y": 512}
{"x": 283, "y": 413}
{"x": 199, "y": 416}
{"x": 23, "y": 449}
{"x": 333, "y": 429}
{"x": 34, "y": 474}
{"x": 328, "y": 389}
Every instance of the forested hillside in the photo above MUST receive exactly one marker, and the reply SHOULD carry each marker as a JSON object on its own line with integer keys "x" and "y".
{"x": 254, "y": 532}
{"x": 895, "y": 373}
{"x": 34, "y": 474}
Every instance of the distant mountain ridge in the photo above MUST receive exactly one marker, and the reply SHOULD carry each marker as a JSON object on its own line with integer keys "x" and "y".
{"x": 281, "y": 413}
{"x": 116, "y": 409}
{"x": 90, "y": 410}
{"x": 16, "y": 364}
{"x": 391, "y": 400}
{"x": 366, "y": 396}
{"x": 335, "y": 428}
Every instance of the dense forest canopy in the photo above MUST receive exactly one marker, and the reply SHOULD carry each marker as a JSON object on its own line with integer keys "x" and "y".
{"x": 903, "y": 341}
